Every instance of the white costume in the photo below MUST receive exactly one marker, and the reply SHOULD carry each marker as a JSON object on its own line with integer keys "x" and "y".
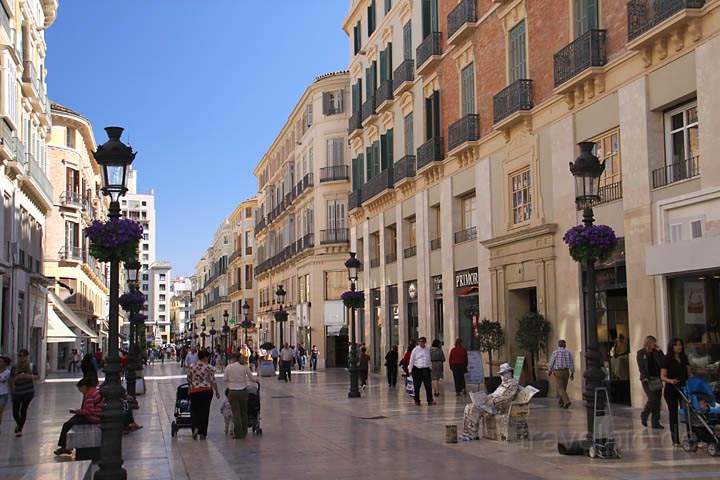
{"x": 497, "y": 402}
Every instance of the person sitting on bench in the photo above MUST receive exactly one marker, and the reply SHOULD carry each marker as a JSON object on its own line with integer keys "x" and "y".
{"x": 89, "y": 413}
{"x": 497, "y": 403}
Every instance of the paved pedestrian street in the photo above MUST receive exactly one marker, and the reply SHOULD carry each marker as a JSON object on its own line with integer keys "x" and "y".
{"x": 312, "y": 430}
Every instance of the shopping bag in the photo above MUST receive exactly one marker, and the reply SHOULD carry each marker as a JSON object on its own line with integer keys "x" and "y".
{"x": 409, "y": 386}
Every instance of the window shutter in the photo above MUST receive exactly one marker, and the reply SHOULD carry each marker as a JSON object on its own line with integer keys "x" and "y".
{"x": 383, "y": 152}
{"x": 361, "y": 170}
{"x": 338, "y": 151}
{"x": 390, "y": 153}
{"x": 468, "y": 90}
{"x": 426, "y": 20}
{"x": 436, "y": 113}
{"x": 388, "y": 5}
{"x": 517, "y": 52}
{"x": 383, "y": 65}
{"x": 409, "y": 135}
{"x": 407, "y": 41}
{"x": 326, "y": 101}
{"x": 434, "y": 23}
{"x": 388, "y": 57}
{"x": 340, "y": 99}
{"x": 368, "y": 163}
{"x": 376, "y": 157}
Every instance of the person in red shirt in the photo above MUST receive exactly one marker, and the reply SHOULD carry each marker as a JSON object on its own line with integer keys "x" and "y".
{"x": 458, "y": 362}
{"x": 88, "y": 414}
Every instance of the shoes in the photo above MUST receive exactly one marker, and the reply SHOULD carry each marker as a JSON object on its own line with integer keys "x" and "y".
{"x": 567, "y": 405}
{"x": 62, "y": 451}
{"x": 657, "y": 426}
{"x": 436, "y": 394}
{"x": 417, "y": 403}
{"x": 194, "y": 435}
{"x": 643, "y": 420}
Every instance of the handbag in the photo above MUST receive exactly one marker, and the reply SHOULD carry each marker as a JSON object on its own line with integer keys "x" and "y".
{"x": 654, "y": 384}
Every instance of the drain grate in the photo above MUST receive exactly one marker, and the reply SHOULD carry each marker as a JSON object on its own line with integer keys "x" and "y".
{"x": 378, "y": 417}
{"x": 283, "y": 396}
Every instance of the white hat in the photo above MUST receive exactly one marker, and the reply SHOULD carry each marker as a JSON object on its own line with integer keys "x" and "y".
{"x": 505, "y": 367}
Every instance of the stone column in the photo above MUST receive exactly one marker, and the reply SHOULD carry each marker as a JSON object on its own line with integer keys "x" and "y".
{"x": 423, "y": 265}
{"x": 402, "y": 300}
{"x": 483, "y": 220}
{"x": 707, "y": 61}
{"x": 382, "y": 318}
{"x": 447, "y": 254}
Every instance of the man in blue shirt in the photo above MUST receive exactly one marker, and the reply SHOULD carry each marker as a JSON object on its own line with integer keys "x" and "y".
{"x": 561, "y": 366}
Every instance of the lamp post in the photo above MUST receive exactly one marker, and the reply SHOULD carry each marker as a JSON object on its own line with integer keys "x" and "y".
{"x": 353, "y": 267}
{"x": 212, "y": 333}
{"x": 225, "y": 331}
{"x": 246, "y": 323}
{"x": 587, "y": 170}
{"x": 134, "y": 364}
{"x": 115, "y": 158}
{"x": 280, "y": 299}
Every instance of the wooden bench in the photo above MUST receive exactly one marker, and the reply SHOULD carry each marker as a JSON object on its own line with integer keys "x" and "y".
{"x": 81, "y": 470}
{"x": 85, "y": 439}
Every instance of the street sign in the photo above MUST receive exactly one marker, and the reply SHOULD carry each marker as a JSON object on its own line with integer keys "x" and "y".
{"x": 475, "y": 367}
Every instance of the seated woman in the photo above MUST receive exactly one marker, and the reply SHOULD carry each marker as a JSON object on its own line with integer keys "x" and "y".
{"x": 88, "y": 414}
{"x": 496, "y": 403}
{"x": 129, "y": 424}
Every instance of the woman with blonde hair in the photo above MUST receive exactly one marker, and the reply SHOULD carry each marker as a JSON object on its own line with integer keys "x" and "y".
{"x": 650, "y": 360}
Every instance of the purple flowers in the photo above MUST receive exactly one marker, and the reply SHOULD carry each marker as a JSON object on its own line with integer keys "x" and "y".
{"x": 594, "y": 242}
{"x": 116, "y": 239}
{"x": 132, "y": 300}
{"x": 138, "y": 318}
{"x": 353, "y": 299}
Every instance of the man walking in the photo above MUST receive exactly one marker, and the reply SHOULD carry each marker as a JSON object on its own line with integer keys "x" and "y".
{"x": 561, "y": 366}
{"x": 237, "y": 379}
{"x": 274, "y": 354}
{"x": 191, "y": 358}
{"x": 420, "y": 369}
{"x": 286, "y": 359}
{"x": 391, "y": 363}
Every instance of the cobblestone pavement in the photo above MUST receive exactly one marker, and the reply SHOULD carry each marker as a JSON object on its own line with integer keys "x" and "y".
{"x": 312, "y": 430}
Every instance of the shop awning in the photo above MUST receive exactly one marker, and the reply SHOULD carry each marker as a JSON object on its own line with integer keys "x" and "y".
{"x": 69, "y": 317}
{"x": 58, "y": 332}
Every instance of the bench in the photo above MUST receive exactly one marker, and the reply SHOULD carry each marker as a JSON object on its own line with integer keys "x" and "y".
{"x": 85, "y": 439}
{"x": 512, "y": 425}
{"x": 60, "y": 471}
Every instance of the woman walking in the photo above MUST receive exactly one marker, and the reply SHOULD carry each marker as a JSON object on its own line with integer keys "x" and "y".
{"x": 650, "y": 360}
{"x": 364, "y": 367}
{"x": 674, "y": 373}
{"x": 4, "y": 384}
{"x": 391, "y": 364}
{"x": 458, "y": 364}
{"x": 22, "y": 386}
{"x": 314, "y": 356}
{"x": 201, "y": 378}
{"x": 437, "y": 358}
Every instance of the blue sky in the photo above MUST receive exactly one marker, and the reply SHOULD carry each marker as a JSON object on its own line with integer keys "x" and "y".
{"x": 201, "y": 87}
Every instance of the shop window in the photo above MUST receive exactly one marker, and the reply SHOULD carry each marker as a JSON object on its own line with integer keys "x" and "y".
{"x": 521, "y": 196}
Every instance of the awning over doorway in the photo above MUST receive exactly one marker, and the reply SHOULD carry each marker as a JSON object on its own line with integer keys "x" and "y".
{"x": 69, "y": 317}
{"x": 58, "y": 332}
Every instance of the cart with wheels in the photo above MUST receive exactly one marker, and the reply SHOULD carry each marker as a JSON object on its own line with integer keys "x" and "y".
{"x": 603, "y": 441}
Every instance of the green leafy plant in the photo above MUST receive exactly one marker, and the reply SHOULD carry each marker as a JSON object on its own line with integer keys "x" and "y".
{"x": 490, "y": 338}
{"x": 532, "y": 336}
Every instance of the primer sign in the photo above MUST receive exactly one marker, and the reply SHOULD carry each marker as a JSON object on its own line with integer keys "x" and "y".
{"x": 467, "y": 278}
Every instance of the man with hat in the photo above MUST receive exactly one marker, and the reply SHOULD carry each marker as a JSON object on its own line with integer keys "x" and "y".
{"x": 496, "y": 403}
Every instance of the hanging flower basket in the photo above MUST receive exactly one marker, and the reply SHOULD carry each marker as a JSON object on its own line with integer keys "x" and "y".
{"x": 117, "y": 239}
{"x": 353, "y": 299}
{"x": 594, "y": 242}
{"x": 281, "y": 316}
{"x": 133, "y": 300}
{"x": 138, "y": 318}
{"x": 250, "y": 324}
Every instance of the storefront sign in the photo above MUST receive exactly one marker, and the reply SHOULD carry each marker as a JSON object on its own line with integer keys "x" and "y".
{"x": 517, "y": 371}
{"x": 468, "y": 278}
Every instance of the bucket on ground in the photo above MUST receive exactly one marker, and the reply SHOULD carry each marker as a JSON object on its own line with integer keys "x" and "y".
{"x": 451, "y": 434}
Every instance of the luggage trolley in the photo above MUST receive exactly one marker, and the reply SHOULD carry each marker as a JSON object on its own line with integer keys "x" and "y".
{"x": 603, "y": 441}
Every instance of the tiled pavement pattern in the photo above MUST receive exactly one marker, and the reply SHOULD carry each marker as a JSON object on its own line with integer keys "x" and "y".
{"x": 312, "y": 430}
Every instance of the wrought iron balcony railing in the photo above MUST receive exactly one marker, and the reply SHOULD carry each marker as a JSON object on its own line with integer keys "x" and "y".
{"x": 404, "y": 168}
{"x": 435, "y": 244}
{"x": 430, "y": 151}
{"x": 404, "y": 73}
{"x": 467, "y": 129}
{"x": 466, "y": 235}
{"x": 588, "y": 50}
{"x": 354, "y": 199}
{"x": 516, "y": 97}
{"x": 368, "y": 108}
{"x": 608, "y": 193}
{"x": 334, "y": 235}
{"x": 71, "y": 198}
{"x": 464, "y": 12}
{"x": 429, "y": 47}
{"x": 410, "y": 252}
{"x": 355, "y": 122}
{"x": 378, "y": 183}
{"x": 71, "y": 253}
{"x": 675, "y": 172}
{"x": 384, "y": 92}
{"x": 334, "y": 172}
{"x": 642, "y": 15}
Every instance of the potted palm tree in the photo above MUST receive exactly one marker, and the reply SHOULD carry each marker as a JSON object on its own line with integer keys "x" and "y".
{"x": 490, "y": 338}
{"x": 532, "y": 336}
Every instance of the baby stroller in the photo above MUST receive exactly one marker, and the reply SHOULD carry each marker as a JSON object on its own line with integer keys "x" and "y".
{"x": 254, "y": 408}
{"x": 701, "y": 413}
{"x": 182, "y": 409}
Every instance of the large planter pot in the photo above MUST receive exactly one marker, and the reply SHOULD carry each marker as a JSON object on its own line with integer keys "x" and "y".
{"x": 492, "y": 383}
{"x": 543, "y": 386}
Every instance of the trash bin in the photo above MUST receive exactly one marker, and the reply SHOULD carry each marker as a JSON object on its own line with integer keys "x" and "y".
{"x": 451, "y": 434}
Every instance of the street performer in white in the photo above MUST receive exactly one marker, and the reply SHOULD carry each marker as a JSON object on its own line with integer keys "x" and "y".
{"x": 496, "y": 403}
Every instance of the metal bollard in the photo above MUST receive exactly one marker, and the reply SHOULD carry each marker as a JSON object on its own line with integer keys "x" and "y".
{"x": 451, "y": 434}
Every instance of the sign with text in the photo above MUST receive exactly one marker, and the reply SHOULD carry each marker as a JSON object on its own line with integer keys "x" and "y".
{"x": 466, "y": 278}
{"x": 519, "y": 364}
{"x": 475, "y": 372}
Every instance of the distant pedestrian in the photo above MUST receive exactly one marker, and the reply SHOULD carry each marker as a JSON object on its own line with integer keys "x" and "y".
{"x": 87, "y": 366}
{"x": 88, "y": 414}
{"x": 674, "y": 373}
{"x": 437, "y": 357}
{"x": 458, "y": 362}
{"x": 4, "y": 384}
{"x": 405, "y": 362}
{"x": 74, "y": 361}
{"x": 201, "y": 378}
{"x": 302, "y": 356}
{"x": 191, "y": 358}
{"x": 650, "y": 360}
{"x": 364, "y": 367}
{"x": 314, "y": 353}
{"x": 274, "y": 354}
{"x": 22, "y": 388}
{"x": 420, "y": 369}
{"x": 391, "y": 365}
{"x": 561, "y": 366}
{"x": 286, "y": 359}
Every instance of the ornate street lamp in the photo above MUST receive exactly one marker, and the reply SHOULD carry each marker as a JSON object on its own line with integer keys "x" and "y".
{"x": 246, "y": 323}
{"x": 212, "y": 333}
{"x": 134, "y": 364}
{"x": 225, "y": 331}
{"x": 587, "y": 170}
{"x": 115, "y": 158}
{"x": 282, "y": 317}
{"x": 353, "y": 266}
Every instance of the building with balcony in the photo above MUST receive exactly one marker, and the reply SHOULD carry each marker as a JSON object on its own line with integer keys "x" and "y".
{"x": 241, "y": 266}
{"x": 78, "y": 294}
{"x": 472, "y": 227}
{"x": 25, "y": 191}
{"x": 301, "y": 234}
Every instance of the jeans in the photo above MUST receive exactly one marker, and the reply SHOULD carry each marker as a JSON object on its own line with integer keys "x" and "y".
{"x": 20, "y": 408}
{"x": 458, "y": 372}
{"x": 285, "y": 370}
{"x": 672, "y": 397}
{"x": 420, "y": 376}
{"x": 313, "y": 360}
{"x": 200, "y": 410}
{"x": 74, "y": 420}
{"x": 239, "y": 406}
{"x": 392, "y": 376}
{"x": 652, "y": 406}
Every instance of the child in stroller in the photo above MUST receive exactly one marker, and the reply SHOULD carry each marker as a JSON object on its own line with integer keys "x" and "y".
{"x": 701, "y": 414}
{"x": 182, "y": 409}
{"x": 254, "y": 408}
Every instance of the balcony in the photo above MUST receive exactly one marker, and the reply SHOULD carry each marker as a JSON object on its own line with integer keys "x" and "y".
{"x": 334, "y": 235}
{"x": 390, "y": 258}
{"x": 435, "y": 244}
{"x": 375, "y": 262}
{"x": 404, "y": 76}
{"x": 404, "y": 168}
{"x": 608, "y": 193}
{"x": 235, "y": 287}
{"x": 512, "y": 103}
{"x": 354, "y": 199}
{"x": 428, "y": 53}
{"x": 235, "y": 255}
{"x": 38, "y": 176}
{"x": 461, "y": 21}
{"x": 410, "y": 252}
{"x": 355, "y": 122}
{"x": 466, "y": 235}
{"x": 31, "y": 83}
{"x": 368, "y": 109}
{"x": 6, "y": 140}
{"x": 260, "y": 225}
{"x": 73, "y": 254}
{"x": 378, "y": 184}
{"x": 334, "y": 173}
{"x": 649, "y": 20}
{"x": 429, "y": 152}
{"x": 384, "y": 95}
{"x": 676, "y": 172}
{"x": 70, "y": 199}
{"x": 463, "y": 132}
{"x": 585, "y": 55}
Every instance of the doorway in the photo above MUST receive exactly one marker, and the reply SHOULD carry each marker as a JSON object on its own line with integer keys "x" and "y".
{"x": 337, "y": 344}
{"x": 614, "y": 338}
{"x": 520, "y": 302}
